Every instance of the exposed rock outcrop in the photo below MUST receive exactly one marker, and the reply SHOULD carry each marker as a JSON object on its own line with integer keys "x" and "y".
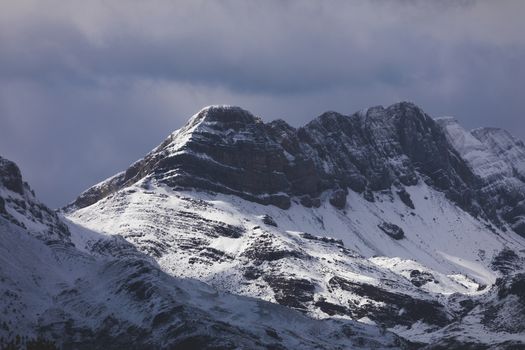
{"x": 392, "y": 230}
{"x": 338, "y": 199}
{"x": 10, "y": 176}
{"x": 19, "y": 206}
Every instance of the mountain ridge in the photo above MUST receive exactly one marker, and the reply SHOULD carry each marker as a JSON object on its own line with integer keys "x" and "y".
{"x": 367, "y": 152}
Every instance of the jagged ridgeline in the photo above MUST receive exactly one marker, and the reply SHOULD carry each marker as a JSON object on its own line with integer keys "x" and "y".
{"x": 228, "y": 150}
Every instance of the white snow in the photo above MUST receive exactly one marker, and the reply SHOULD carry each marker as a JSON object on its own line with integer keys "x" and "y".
{"x": 440, "y": 239}
{"x": 478, "y": 155}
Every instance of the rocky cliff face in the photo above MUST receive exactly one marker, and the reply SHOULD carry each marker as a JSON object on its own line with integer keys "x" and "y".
{"x": 19, "y": 206}
{"x": 228, "y": 150}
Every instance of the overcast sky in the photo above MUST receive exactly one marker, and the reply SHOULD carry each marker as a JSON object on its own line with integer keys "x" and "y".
{"x": 87, "y": 87}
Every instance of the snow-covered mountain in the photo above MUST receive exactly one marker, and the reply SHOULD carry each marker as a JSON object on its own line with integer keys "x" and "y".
{"x": 498, "y": 160}
{"x": 57, "y": 293}
{"x": 410, "y": 227}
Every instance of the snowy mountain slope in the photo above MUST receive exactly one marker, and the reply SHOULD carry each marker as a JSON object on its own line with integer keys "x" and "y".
{"x": 385, "y": 217}
{"x": 504, "y": 145}
{"x": 499, "y": 161}
{"x": 54, "y": 294}
{"x": 485, "y": 163}
{"x": 224, "y": 241}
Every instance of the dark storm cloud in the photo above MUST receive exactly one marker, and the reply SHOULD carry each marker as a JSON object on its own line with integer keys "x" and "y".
{"x": 88, "y": 87}
{"x": 268, "y": 55}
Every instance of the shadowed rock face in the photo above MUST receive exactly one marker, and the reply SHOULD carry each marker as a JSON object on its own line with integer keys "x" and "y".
{"x": 409, "y": 308}
{"x": 228, "y": 150}
{"x": 17, "y": 198}
{"x": 338, "y": 199}
{"x": 392, "y": 230}
{"x": 10, "y": 176}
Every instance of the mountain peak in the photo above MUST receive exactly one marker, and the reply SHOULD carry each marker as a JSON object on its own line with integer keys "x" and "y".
{"x": 407, "y": 111}
{"x": 19, "y": 206}
{"x": 226, "y": 114}
{"x": 10, "y": 176}
{"x": 330, "y": 116}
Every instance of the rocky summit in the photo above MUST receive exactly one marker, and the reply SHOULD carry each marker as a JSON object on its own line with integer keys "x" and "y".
{"x": 382, "y": 229}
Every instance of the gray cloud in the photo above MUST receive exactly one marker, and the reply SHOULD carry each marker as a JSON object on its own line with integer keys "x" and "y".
{"x": 86, "y": 87}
